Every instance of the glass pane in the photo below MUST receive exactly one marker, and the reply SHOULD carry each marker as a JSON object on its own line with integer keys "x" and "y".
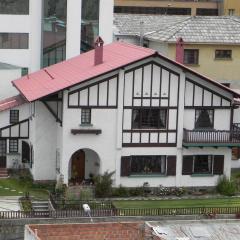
{"x": 203, "y": 164}
{"x": 54, "y": 35}
{"x": 13, "y": 40}
{"x": 89, "y": 24}
{"x": 14, "y": 7}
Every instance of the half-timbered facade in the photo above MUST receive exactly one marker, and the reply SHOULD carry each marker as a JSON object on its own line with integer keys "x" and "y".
{"x": 126, "y": 109}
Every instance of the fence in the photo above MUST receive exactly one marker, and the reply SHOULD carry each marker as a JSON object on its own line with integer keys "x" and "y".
{"x": 120, "y": 212}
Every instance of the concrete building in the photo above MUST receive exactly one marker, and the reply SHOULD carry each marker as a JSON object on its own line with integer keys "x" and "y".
{"x": 120, "y": 108}
{"x": 43, "y": 32}
{"x": 211, "y": 44}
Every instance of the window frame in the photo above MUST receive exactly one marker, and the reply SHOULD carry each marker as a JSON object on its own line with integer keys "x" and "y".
{"x": 204, "y": 128}
{"x": 140, "y": 123}
{"x": 193, "y": 50}
{"x": 12, "y": 118}
{"x": 139, "y": 158}
{"x": 221, "y": 56}
{"x": 86, "y": 119}
{"x": 13, "y": 145}
{"x": 194, "y": 164}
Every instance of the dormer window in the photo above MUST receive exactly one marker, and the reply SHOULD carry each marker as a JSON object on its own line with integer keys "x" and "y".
{"x": 204, "y": 118}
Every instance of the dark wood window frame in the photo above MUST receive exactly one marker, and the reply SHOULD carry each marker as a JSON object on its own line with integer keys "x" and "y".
{"x": 13, "y": 145}
{"x": 217, "y": 165}
{"x": 160, "y": 123}
{"x": 191, "y": 56}
{"x": 198, "y": 115}
{"x": 14, "y": 116}
{"x": 86, "y": 115}
{"x": 223, "y": 54}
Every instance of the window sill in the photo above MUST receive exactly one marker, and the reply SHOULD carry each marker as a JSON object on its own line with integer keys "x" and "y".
{"x": 147, "y": 175}
{"x": 13, "y": 153}
{"x": 86, "y": 125}
{"x": 192, "y": 64}
{"x": 202, "y": 175}
{"x": 223, "y": 59}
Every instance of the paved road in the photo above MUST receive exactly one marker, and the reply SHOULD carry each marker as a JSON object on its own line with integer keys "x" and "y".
{"x": 9, "y": 203}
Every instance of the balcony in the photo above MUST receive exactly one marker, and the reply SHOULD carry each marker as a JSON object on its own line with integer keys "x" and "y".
{"x": 212, "y": 138}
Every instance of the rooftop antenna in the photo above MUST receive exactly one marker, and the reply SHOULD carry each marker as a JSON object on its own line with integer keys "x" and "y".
{"x": 87, "y": 210}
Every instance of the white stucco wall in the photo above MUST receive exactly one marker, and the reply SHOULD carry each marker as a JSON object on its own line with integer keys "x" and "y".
{"x": 6, "y": 87}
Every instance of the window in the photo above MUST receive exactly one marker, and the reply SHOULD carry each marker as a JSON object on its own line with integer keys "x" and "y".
{"x": 149, "y": 118}
{"x": 24, "y": 71}
{"x": 89, "y": 24}
{"x": 191, "y": 56}
{"x": 202, "y": 164}
{"x": 148, "y": 165}
{"x": 86, "y": 116}
{"x": 231, "y": 12}
{"x": 204, "y": 118}
{"x": 207, "y": 12}
{"x": 223, "y": 54}
{"x": 14, "y": 116}
{"x": 13, "y": 145}
{"x": 20, "y": 7}
{"x": 13, "y": 40}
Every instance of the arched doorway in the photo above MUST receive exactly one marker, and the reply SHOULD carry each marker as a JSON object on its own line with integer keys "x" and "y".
{"x": 78, "y": 166}
{"x": 83, "y": 166}
{"x": 25, "y": 152}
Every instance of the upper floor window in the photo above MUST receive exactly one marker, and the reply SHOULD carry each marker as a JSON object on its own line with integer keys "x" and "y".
{"x": 191, "y": 56}
{"x": 13, "y": 40}
{"x": 86, "y": 116}
{"x": 148, "y": 165}
{"x": 18, "y": 7}
{"x": 204, "y": 118}
{"x": 207, "y": 12}
{"x": 14, "y": 116}
{"x": 231, "y": 12}
{"x": 148, "y": 118}
{"x": 13, "y": 145}
{"x": 24, "y": 71}
{"x": 223, "y": 54}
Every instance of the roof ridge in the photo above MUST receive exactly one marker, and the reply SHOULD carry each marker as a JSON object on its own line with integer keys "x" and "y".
{"x": 186, "y": 21}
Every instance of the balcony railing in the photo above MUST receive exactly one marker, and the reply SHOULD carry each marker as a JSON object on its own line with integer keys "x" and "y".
{"x": 212, "y": 137}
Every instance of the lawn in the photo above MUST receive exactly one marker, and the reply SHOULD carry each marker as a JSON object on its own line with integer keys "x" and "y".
{"x": 184, "y": 203}
{"x": 21, "y": 188}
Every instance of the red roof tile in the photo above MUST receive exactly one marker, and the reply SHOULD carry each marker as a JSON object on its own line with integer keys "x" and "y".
{"x": 11, "y": 102}
{"x": 78, "y": 69}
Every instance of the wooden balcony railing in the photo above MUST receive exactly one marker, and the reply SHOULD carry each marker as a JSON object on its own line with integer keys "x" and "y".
{"x": 212, "y": 137}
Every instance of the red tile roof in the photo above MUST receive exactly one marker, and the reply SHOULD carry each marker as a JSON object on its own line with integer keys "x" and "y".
{"x": 81, "y": 68}
{"x": 78, "y": 69}
{"x": 86, "y": 231}
{"x": 11, "y": 102}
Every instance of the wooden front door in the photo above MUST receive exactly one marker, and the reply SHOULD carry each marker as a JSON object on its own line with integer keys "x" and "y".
{"x": 78, "y": 166}
{"x": 3, "y": 153}
{"x": 25, "y": 152}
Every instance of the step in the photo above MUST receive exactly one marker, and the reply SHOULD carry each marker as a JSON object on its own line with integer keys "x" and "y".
{"x": 3, "y": 175}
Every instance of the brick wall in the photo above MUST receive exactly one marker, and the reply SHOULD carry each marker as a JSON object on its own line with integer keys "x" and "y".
{"x": 94, "y": 231}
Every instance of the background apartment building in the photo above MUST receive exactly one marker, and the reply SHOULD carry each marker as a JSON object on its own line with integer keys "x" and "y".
{"x": 179, "y": 7}
{"x": 35, "y": 34}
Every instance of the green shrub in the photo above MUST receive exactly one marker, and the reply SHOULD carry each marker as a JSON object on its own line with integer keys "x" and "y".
{"x": 137, "y": 191}
{"x": 103, "y": 185}
{"x": 86, "y": 194}
{"x": 226, "y": 187}
{"x": 120, "y": 192}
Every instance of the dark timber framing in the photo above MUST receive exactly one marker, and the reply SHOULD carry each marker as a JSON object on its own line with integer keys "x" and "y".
{"x": 203, "y": 88}
{"x": 159, "y": 106}
{"x": 107, "y": 105}
{"x": 19, "y": 136}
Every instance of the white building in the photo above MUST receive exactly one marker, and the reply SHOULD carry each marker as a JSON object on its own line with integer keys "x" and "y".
{"x": 39, "y": 33}
{"x": 134, "y": 112}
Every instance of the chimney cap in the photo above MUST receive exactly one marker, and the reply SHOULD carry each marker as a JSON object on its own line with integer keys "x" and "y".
{"x": 180, "y": 40}
{"x": 99, "y": 41}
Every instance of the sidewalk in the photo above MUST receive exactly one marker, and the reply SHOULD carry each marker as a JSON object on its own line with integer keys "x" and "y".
{"x": 9, "y": 203}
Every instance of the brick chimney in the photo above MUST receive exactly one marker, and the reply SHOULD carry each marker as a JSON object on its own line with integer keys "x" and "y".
{"x": 98, "y": 58}
{"x": 180, "y": 50}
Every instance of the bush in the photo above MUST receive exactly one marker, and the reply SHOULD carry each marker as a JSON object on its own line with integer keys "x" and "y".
{"x": 86, "y": 194}
{"x": 226, "y": 187}
{"x": 103, "y": 184}
{"x": 138, "y": 191}
{"x": 120, "y": 192}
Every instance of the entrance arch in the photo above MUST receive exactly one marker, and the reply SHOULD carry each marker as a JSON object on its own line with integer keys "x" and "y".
{"x": 83, "y": 165}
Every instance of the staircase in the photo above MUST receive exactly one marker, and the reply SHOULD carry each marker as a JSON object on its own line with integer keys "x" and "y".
{"x": 40, "y": 207}
{"x": 3, "y": 173}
